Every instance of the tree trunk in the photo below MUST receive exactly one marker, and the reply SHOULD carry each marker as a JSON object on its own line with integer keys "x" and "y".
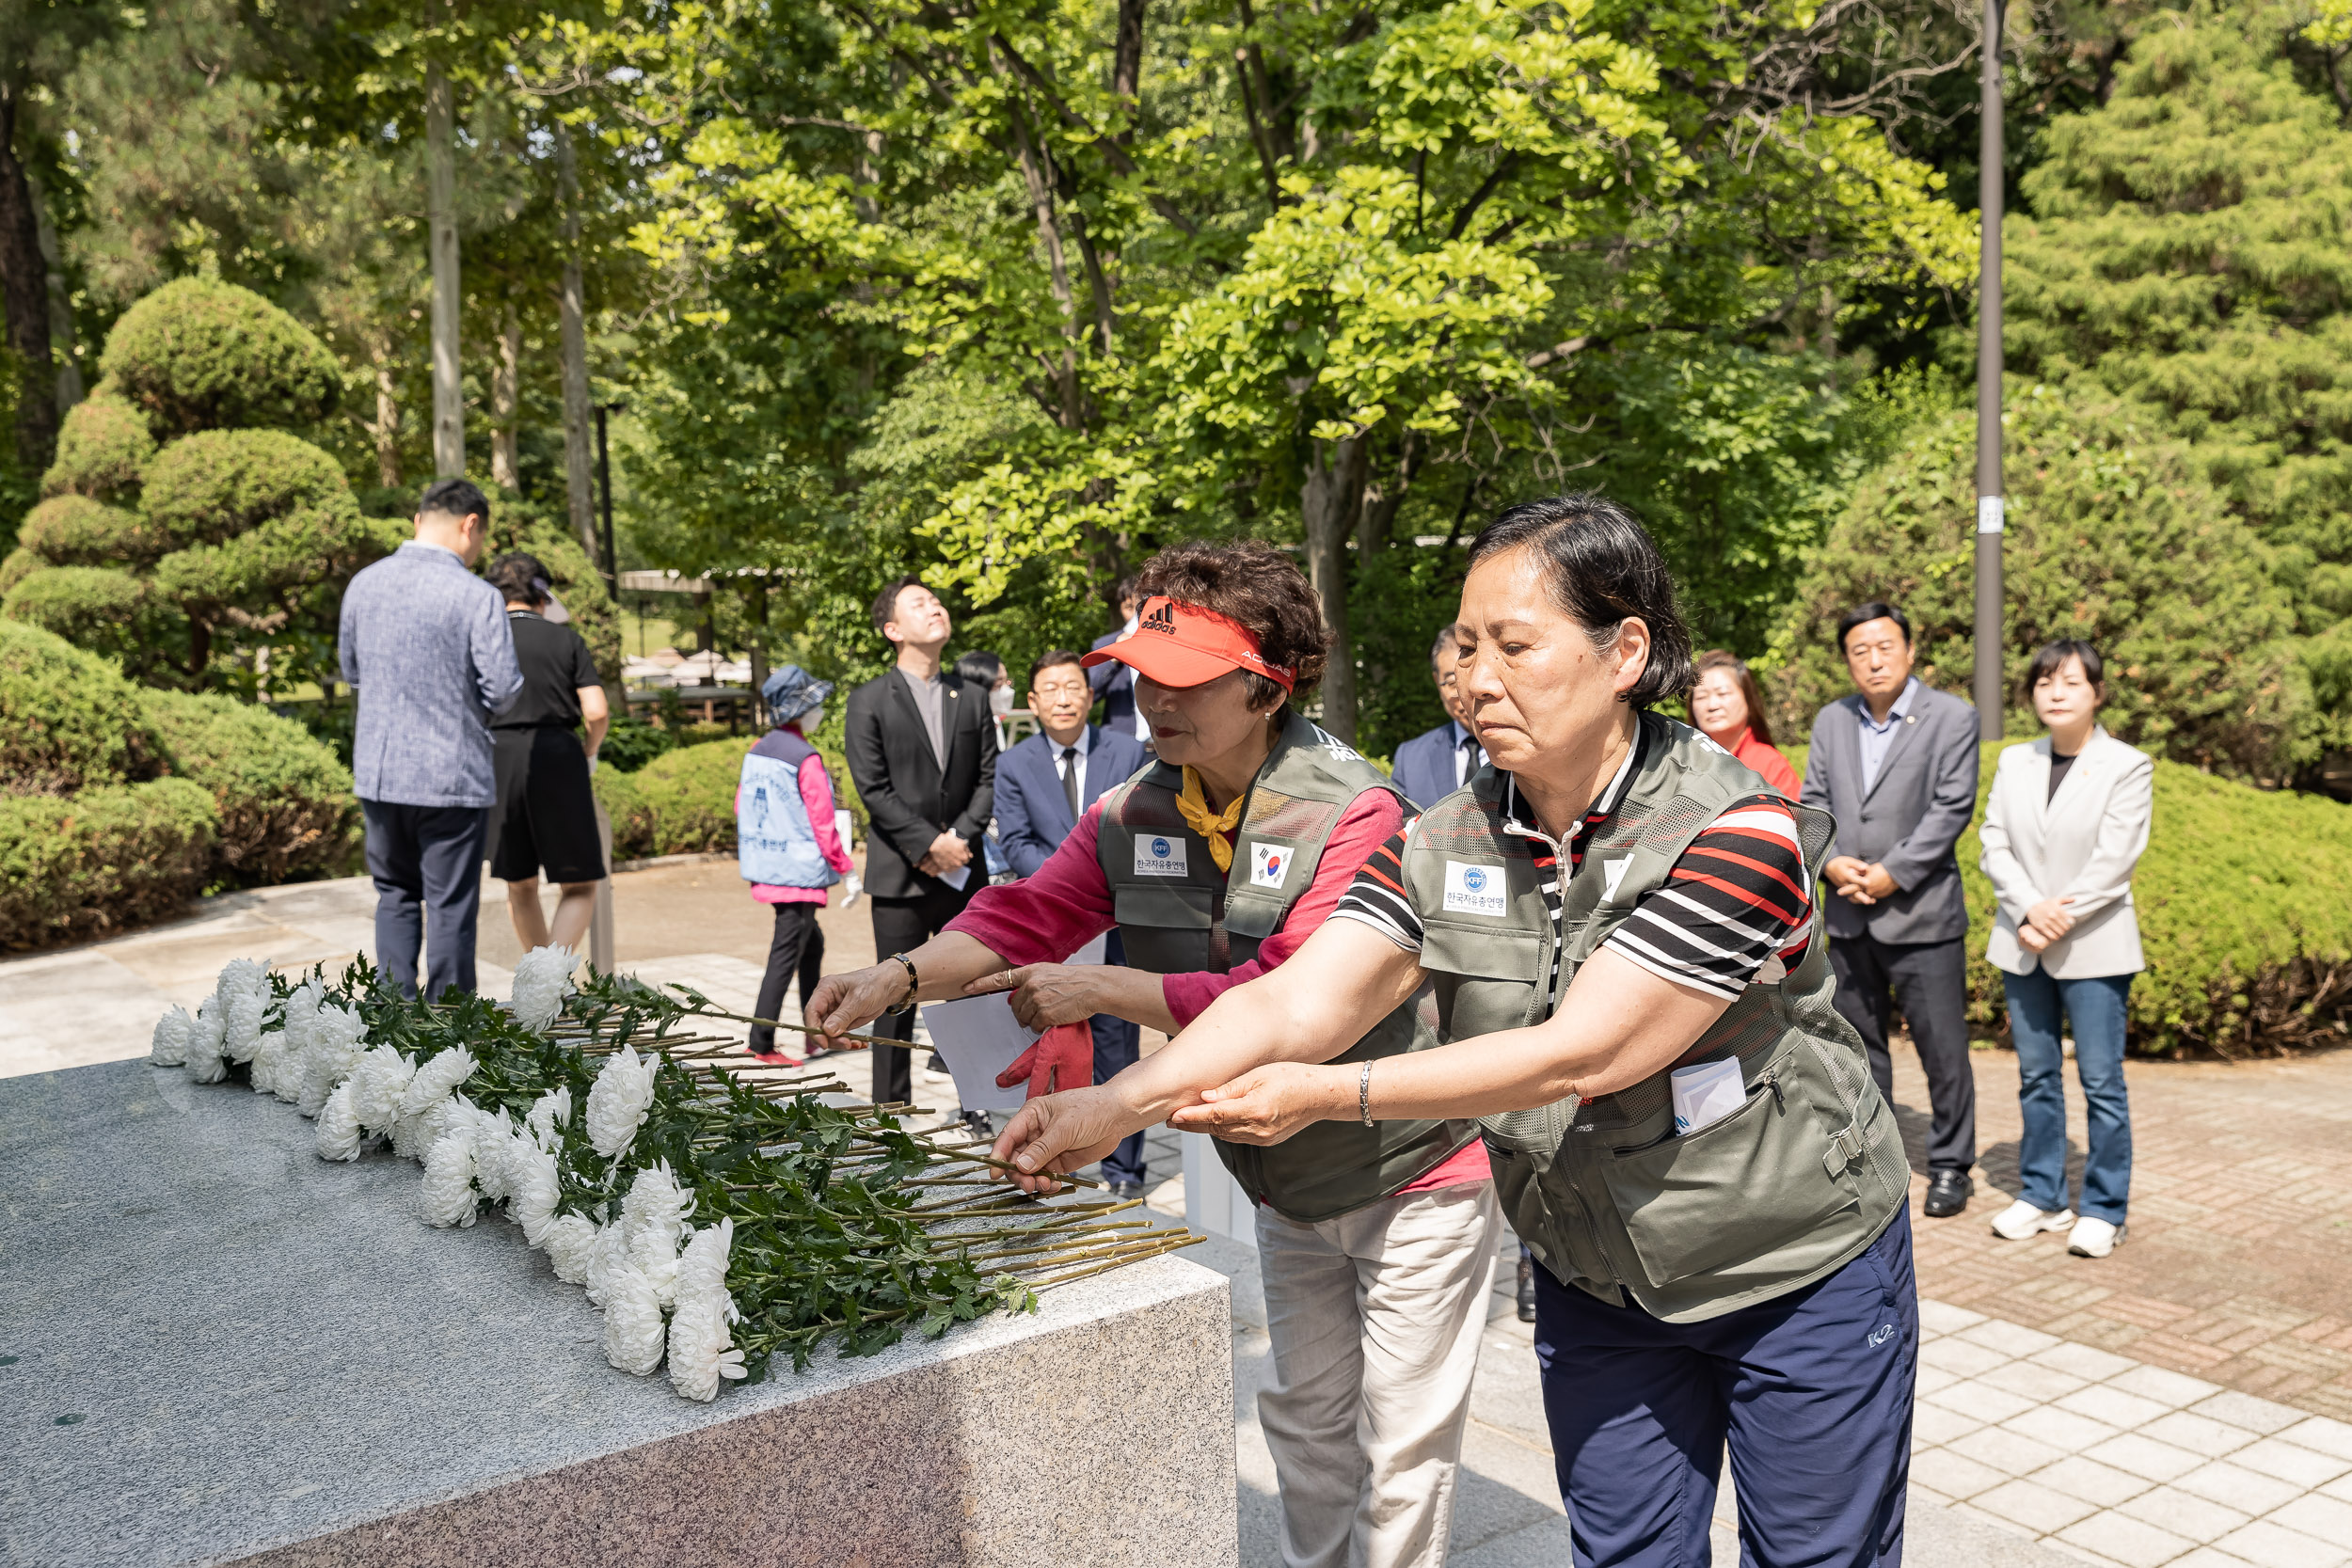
{"x": 61, "y": 335}
{"x": 506, "y": 401}
{"x": 1334, "y": 493}
{"x": 440, "y": 163}
{"x": 572, "y": 305}
{"x": 1057, "y": 269}
{"x": 387, "y": 426}
{"x": 24, "y": 295}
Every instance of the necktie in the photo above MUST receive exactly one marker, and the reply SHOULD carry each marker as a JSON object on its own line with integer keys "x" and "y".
{"x": 1470, "y": 759}
{"x": 1070, "y": 779}
{"x": 1211, "y": 825}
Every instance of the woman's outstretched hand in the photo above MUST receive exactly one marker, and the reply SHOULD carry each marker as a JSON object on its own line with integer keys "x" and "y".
{"x": 1046, "y": 994}
{"x": 1062, "y": 1133}
{"x": 1267, "y": 1104}
{"x": 851, "y": 1000}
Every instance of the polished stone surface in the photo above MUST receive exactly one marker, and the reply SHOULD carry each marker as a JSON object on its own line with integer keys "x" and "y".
{"x": 216, "y": 1347}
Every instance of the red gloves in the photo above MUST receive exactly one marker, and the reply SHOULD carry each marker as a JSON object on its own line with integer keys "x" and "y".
{"x": 1063, "y": 1059}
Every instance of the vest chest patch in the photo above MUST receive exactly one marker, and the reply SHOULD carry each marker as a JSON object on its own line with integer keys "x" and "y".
{"x": 1613, "y": 872}
{"x": 1473, "y": 888}
{"x": 1157, "y": 856}
{"x": 1269, "y": 864}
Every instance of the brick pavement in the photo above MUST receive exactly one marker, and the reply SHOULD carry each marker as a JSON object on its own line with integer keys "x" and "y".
{"x": 2239, "y": 1265}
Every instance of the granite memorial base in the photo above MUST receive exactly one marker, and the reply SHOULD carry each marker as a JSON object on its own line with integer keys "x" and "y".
{"x": 216, "y": 1348}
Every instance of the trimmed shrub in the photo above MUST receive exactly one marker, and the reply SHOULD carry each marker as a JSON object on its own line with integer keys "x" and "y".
{"x": 104, "y": 448}
{"x": 215, "y": 484}
{"x": 75, "y": 530}
{"x": 632, "y": 820}
{"x": 68, "y": 719}
{"x": 279, "y": 561}
{"x": 690, "y": 796}
{"x": 101, "y": 860}
{"x": 20, "y": 564}
{"x": 107, "y": 612}
{"x": 284, "y": 803}
{"x": 200, "y": 355}
{"x": 2111, "y": 538}
{"x": 2242, "y": 915}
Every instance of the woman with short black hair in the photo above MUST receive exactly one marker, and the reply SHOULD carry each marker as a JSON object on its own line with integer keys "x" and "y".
{"x": 1634, "y": 991}
{"x": 2065, "y": 823}
{"x": 545, "y": 816}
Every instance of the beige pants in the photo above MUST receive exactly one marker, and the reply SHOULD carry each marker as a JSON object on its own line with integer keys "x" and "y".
{"x": 1375, "y": 1319}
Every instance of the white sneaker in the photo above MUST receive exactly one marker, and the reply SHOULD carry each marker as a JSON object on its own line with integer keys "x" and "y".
{"x": 2021, "y": 1220}
{"x": 2094, "y": 1237}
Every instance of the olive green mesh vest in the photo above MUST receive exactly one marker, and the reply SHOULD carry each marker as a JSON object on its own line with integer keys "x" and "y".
{"x": 1178, "y": 914}
{"x": 1798, "y": 1181}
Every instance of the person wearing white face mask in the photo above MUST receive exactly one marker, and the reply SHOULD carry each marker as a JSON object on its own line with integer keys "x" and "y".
{"x": 786, "y": 845}
{"x": 2066, "y": 822}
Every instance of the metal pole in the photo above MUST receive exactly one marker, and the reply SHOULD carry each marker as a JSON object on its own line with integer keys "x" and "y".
{"x": 604, "y": 496}
{"x": 1990, "y": 640}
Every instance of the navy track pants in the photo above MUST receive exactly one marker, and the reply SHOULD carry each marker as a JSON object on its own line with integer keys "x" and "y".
{"x": 1812, "y": 1391}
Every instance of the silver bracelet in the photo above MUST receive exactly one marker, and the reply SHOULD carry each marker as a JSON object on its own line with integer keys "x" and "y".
{"x": 1364, "y": 1095}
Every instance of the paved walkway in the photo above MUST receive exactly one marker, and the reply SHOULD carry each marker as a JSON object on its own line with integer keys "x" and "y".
{"x": 2183, "y": 1403}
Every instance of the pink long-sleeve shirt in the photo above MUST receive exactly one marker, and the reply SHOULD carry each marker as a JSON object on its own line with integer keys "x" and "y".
{"x": 1045, "y": 918}
{"x": 817, "y": 794}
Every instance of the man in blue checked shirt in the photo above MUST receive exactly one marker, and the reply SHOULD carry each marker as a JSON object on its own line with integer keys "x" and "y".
{"x": 427, "y": 652}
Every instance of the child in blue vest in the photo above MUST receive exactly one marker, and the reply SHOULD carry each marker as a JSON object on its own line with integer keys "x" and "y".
{"x": 785, "y": 844}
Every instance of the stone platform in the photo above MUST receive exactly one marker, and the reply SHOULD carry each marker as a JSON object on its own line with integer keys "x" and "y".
{"x": 216, "y": 1348}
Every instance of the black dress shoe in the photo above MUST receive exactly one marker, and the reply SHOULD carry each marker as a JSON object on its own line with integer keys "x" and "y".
{"x": 1526, "y": 1289}
{"x": 1947, "y": 1194}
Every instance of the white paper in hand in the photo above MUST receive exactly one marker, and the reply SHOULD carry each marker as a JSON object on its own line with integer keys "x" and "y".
{"x": 1706, "y": 1094}
{"x": 978, "y": 1038}
{"x": 956, "y": 880}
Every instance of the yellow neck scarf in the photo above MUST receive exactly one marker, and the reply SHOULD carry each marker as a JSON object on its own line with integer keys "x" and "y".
{"x": 1211, "y": 825}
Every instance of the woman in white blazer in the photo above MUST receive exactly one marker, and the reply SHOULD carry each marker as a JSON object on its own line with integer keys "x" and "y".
{"x": 2065, "y": 824}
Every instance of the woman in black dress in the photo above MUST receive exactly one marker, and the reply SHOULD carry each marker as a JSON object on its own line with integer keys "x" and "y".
{"x": 545, "y": 818}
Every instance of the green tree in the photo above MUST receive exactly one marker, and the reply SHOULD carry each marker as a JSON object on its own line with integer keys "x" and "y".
{"x": 2186, "y": 249}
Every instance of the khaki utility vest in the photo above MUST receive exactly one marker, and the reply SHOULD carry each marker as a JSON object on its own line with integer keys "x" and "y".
{"x": 1797, "y": 1181}
{"x": 1178, "y": 914}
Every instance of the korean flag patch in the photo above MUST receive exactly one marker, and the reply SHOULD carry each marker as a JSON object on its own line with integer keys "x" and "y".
{"x": 1269, "y": 864}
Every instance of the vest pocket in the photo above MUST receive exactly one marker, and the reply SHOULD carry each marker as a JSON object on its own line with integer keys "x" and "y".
{"x": 1735, "y": 1189}
{"x": 1176, "y": 906}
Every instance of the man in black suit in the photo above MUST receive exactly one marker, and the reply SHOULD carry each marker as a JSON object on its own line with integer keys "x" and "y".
{"x": 1114, "y": 682}
{"x": 922, "y": 750}
{"x": 1431, "y": 767}
{"x": 1043, "y": 786}
{"x": 1895, "y": 764}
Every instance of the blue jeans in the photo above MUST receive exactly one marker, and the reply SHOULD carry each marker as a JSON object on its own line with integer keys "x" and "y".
{"x": 2096, "y": 1009}
{"x": 1811, "y": 1390}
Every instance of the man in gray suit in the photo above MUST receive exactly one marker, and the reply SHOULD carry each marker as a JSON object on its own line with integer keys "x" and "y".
{"x": 1895, "y": 764}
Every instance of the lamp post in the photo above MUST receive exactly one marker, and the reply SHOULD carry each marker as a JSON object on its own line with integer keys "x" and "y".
{"x": 604, "y": 500}
{"x": 1989, "y": 639}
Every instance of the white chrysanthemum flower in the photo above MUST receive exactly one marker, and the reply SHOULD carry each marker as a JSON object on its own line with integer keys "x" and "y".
{"x": 702, "y": 1269}
{"x": 170, "y": 1047}
{"x": 339, "y": 1126}
{"x": 435, "y": 1077}
{"x": 429, "y": 1125}
{"x": 334, "y": 1051}
{"x": 532, "y": 1172}
{"x": 243, "y": 993}
{"x": 571, "y": 1242}
{"x": 618, "y": 1100}
{"x": 492, "y": 1134}
{"x": 301, "y": 1012}
{"x": 653, "y": 1222}
{"x": 634, "y": 1333}
{"x": 376, "y": 1087}
{"x": 447, "y": 1196}
{"x": 607, "y": 1250}
{"x": 702, "y": 1348}
{"x": 543, "y": 977}
{"x": 205, "y": 1061}
{"x": 270, "y": 1062}
{"x": 548, "y": 1113}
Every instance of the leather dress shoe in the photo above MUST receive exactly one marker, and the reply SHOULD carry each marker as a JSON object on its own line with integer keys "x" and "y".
{"x": 1527, "y": 1290}
{"x": 1947, "y": 1194}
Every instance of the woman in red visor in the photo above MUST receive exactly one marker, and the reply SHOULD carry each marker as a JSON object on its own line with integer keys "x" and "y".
{"x": 1375, "y": 1241}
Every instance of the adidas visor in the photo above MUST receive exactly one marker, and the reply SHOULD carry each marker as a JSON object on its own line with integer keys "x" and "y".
{"x": 1188, "y": 644}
